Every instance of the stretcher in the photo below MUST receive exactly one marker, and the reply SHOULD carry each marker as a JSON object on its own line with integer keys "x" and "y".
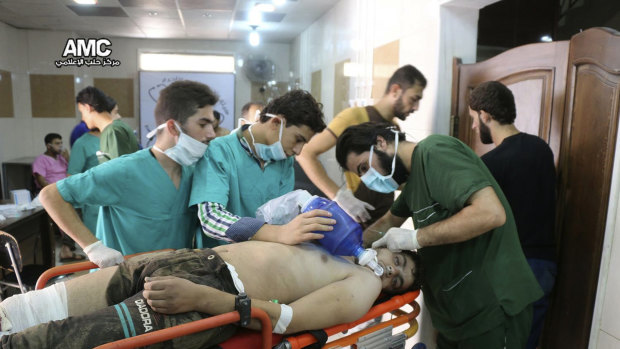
{"x": 375, "y": 336}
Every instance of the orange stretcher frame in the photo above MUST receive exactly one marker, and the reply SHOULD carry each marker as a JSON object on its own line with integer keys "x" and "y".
{"x": 264, "y": 339}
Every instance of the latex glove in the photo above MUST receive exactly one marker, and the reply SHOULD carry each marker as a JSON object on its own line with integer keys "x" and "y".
{"x": 398, "y": 239}
{"x": 103, "y": 256}
{"x": 355, "y": 207}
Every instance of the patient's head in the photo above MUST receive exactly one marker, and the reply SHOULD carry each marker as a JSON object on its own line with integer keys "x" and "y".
{"x": 401, "y": 270}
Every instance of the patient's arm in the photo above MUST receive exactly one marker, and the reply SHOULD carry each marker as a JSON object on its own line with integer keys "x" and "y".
{"x": 339, "y": 302}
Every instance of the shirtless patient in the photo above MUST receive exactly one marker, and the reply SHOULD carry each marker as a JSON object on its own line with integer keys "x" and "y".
{"x": 314, "y": 290}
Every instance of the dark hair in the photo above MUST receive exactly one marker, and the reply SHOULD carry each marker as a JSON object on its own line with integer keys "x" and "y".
{"x": 359, "y": 138}
{"x": 496, "y": 99}
{"x": 418, "y": 274}
{"x": 49, "y": 138}
{"x": 217, "y": 115}
{"x": 111, "y": 104}
{"x": 246, "y": 107}
{"x": 405, "y": 77}
{"x": 299, "y": 109}
{"x": 182, "y": 99}
{"x": 94, "y": 97}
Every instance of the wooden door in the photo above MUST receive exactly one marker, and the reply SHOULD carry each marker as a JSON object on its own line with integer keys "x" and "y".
{"x": 585, "y": 169}
{"x": 535, "y": 74}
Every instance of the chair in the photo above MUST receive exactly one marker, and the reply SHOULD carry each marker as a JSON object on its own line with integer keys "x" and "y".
{"x": 366, "y": 338}
{"x": 22, "y": 277}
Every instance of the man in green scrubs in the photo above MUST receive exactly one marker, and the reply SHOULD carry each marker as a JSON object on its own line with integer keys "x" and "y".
{"x": 245, "y": 169}
{"x": 477, "y": 284}
{"x": 83, "y": 158}
{"x": 143, "y": 196}
{"x": 116, "y": 136}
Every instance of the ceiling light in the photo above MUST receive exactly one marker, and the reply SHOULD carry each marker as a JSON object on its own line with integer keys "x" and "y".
{"x": 86, "y": 2}
{"x": 263, "y": 7}
{"x": 153, "y": 13}
{"x": 279, "y": 2}
{"x": 208, "y": 15}
{"x": 546, "y": 38}
{"x": 254, "y": 38}
{"x": 255, "y": 17}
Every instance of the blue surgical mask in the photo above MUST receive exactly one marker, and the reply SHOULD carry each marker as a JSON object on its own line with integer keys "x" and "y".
{"x": 272, "y": 152}
{"x": 377, "y": 182}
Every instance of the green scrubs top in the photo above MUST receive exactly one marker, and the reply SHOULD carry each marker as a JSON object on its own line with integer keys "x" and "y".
{"x": 117, "y": 139}
{"x": 230, "y": 176}
{"x": 141, "y": 209}
{"x": 468, "y": 287}
{"x": 84, "y": 157}
{"x": 83, "y": 154}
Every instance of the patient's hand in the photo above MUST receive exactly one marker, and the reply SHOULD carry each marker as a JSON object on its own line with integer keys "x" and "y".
{"x": 170, "y": 294}
{"x": 302, "y": 227}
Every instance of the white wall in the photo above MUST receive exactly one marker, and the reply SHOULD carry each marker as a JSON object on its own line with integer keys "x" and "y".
{"x": 36, "y": 51}
{"x": 605, "y": 331}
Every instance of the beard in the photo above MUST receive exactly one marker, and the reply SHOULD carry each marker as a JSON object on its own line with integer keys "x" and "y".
{"x": 398, "y": 109}
{"x": 485, "y": 132}
{"x": 400, "y": 171}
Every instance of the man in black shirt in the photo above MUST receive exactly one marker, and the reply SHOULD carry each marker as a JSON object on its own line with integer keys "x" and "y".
{"x": 524, "y": 168}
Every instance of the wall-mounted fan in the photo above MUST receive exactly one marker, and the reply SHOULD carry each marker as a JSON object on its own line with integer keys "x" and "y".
{"x": 259, "y": 69}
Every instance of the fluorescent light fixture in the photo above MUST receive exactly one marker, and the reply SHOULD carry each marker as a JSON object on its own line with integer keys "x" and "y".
{"x": 279, "y": 2}
{"x": 263, "y": 7}
{"x": 255, "y": 17}
{"x": 187, "y": 62}
{"x": 86, "y": 2}
{"x": 254, "y": 38}
{"x": 546, "y": 38}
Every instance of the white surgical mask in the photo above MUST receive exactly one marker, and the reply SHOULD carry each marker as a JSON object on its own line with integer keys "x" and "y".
{"x": 377, "y": 182}
{"x": 186, "y": 152}
{"x": 273, "y": 151}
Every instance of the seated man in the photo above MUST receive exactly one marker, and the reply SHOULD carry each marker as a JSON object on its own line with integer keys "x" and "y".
{"x": 51, "y": 166}
{"x": 48, "y": 168}
{"x": 187, "y": 285}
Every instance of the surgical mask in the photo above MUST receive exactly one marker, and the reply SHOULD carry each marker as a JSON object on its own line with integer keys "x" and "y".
{"x": 274, "y": 151}
{"x": 186, "y": 152}
{"x": 377, "y": 182}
